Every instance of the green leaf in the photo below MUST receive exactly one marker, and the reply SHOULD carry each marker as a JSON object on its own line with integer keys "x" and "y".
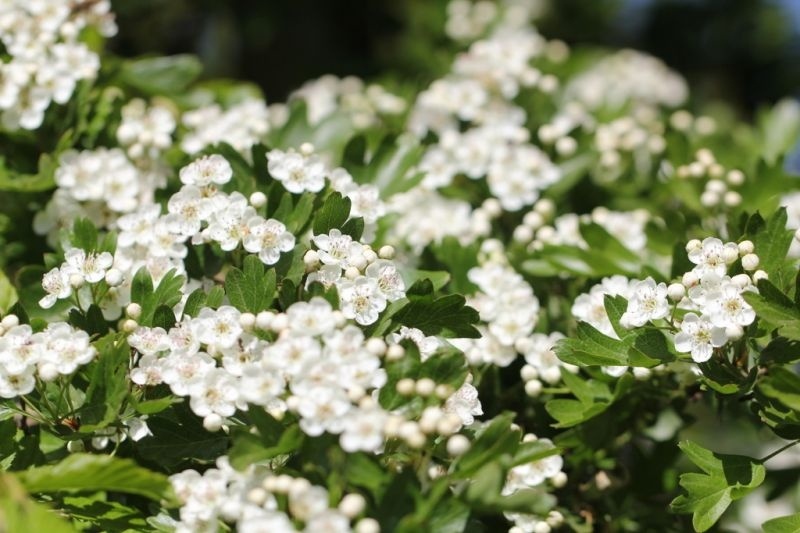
{"x": 195, "y": 302}
{"x": 772, "y": 242}
{"x": 168, "y": 293}
{"x": 84, "y": 234}
{"x": 593, "y": 398}
{"x": 592, "y": 348}
{"x": 782, "y": 385}
{"x": 493, "y": 440}
{"x": 18, "y": 512}
{"x": 726, "y": 478}
{"x": 108, "y": 383}
{"x": 449, "y": 316}
{"x": 85, "y": 472}
{"x": 458, "y": 260}
{"x": 783, "y": 524}
{"x": 333, "y": 214}
{"x": 12, "y": 181}
{"x": 8, "y": 294}
{"x": 250, "y": 449}
{"x": 780, "y": 350}
{"x": 251, "y": 289}
{"x": 169, "y": 75}
{"x": 772, "y": 305}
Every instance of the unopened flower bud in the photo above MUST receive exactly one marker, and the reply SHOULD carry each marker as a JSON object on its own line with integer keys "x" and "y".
{"x": 676, "y": 292}
{"x": 258, "y": 199}
{"x": 114, "y": 277}
{"x": 457, "y": 445}
{"x": 750, "y": 262}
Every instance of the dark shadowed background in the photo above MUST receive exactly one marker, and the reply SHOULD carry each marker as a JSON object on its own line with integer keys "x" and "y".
{"x": 745, "y": 51}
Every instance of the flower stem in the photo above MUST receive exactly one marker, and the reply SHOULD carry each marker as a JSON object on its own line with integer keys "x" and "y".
{"x": 779, "y": 450}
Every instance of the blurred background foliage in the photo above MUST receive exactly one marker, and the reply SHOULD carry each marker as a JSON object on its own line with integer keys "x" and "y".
{"x": 746, "y": 52}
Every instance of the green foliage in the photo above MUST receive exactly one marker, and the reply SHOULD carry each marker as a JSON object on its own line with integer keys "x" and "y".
{"x": 251, "y": 289}
{"x": 725, "y": 478}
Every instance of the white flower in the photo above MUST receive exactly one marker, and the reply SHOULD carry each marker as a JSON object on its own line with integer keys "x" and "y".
{"x": 297, "y": 173}
{"x": 711, "y": 256}
{"x": 218, "y": 328}
{"x": 648, "y": 302}
{"x": 188, "y": 208}
{"x": 183, "y": 372}
{"x": 336, "y": 248}
{"x": 91, "y": 267}
{"x": 363, "y": 430}
{"x": 323, "y": 409}
{"x": 427, "y": 345}
{"x": 699, "y": 336}
{"x": 12, "y": 385}
{"x": 361, "y": 300}
{"x": 149, "y": 341}
{"x": 56, "y": 285}
{"x": 311, "y": 318}
{"x": 388, "y": 278}
{"x": 726, "y": 307}
{"x": 229, "y": 225}
{"x": 66, "y": 348}
{"x": 207, "y": 170}
{"x": 215, "y": 393}
{"x": 268, "y": 238}
{"x": 464, "y": 403}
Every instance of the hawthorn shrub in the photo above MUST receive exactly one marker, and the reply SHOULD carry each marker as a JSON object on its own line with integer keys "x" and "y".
{"x": 537, "y": 293}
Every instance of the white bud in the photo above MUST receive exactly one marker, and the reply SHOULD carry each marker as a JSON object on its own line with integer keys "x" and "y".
{"x": 311, "y": 259}
{"x": 425, "y": 387}
{"x": 746, "y": 247}
{"x": 730, "y": 254}
{"x": 741, "y": 280}
{"x": 533, "y": 388}
{"x": 257, "y": 495}
{"x": 523, "y": 234}
{"x": 676, "y": 292}
{"x": 641, "y": 373}
{"x": 559, "y": 480}
{"x": 551, "y": 374}
{"x": 10, "y": 321}
{"x": 554, "y": 518}
{"x": 697, "y": 169}
{"x": 264, "y": 320}
{"x": 709, "y": 199}
{"x": 376, "y": 346}
{"x": 395, "y": 352}
{"x": 528, "y": 373}
{"x": 279, "y": 323}
{"x": 449, "y": 424}
{"x": 76, "y": 281}
{"x": 732, "y": 199}
{"x": 492, "y": 207}
{"x": 429, "y": 419}
{"x": 758, "y": 275}
{"x": 258, "y": 199}
{"x": 367, "y": 525}
{"x": 247, "y": 321}
{"x": 735, "y": 177}
{"x": 457, "y": 445}
{"x": 545, "y": 207}
{"x": 405, "y": 386}
{"x": 693, "y": 244}
{"x": 359, "y": 262}
{"x": 541, "y": 527}
{"x": 750, "y": 262}
{"x": 212, "y": 422}
{"x": 566, "y": 146}
{"x": 734, "y": 332}
{"x": 133, "y": 310}
{"x": 306, "y": 148}
{"x": 386, "y": 252}
{"x": 129, "y": 325}
{"x": 533, "y": 220}
{"x": 114, "y": 277}
{"x": 717, "y": 186}
{"x": 352, "y": 273}
{"x": 370, "y": 256}
{"x": 352, "y": 505}
{"x": 443, "y": 391}
{"x": 689, "y": 280}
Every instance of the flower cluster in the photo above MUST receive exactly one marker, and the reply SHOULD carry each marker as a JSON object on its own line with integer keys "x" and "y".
{"x": 259, "y": 500}
{"x": 46, "y": 60}
{"x": 26, "y": 356}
